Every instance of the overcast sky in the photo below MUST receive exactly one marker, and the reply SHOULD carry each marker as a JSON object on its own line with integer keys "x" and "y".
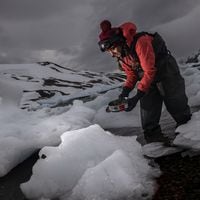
{"x": 66, "y": 31}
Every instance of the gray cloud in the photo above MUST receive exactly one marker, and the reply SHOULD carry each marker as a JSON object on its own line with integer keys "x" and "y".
{"x": 182, "y": 35}
{"x": 71, "y": 27}
{"x": 35, "y": 9}
{"x": 13, "y": 56}
{"x": 146, "y": 15}
{"x": 155, "y": 12}
{"x": 54, "y": 30}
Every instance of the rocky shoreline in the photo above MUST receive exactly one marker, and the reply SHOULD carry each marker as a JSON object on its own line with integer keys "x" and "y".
{"x": 180, "y": 179}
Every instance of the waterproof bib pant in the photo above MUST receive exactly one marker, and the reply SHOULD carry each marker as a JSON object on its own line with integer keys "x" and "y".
{"x": 172, "y": 94}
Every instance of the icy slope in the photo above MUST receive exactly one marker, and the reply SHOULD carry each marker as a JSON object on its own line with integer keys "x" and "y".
{"x": 48, "y": 84}
{"x": 23, "y": 131}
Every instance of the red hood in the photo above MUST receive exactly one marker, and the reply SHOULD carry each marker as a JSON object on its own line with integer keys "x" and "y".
{"x": 129, "y": 30}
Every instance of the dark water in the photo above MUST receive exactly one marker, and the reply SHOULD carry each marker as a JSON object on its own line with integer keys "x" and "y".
{"x": 9, "y": 184}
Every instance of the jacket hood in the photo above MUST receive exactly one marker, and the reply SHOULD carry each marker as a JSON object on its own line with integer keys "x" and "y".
{"x": 129, "y": 30}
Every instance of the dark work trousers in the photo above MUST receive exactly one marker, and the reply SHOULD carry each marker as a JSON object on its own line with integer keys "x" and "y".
{"x": 169, "y": 87}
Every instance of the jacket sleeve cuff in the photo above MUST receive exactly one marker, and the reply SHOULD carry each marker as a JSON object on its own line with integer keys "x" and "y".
{"x": 125, "y": 91}
{"x": 140, "y": 94}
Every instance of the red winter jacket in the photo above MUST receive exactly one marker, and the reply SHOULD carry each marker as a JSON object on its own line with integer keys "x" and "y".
{"x": 145, "y": 52}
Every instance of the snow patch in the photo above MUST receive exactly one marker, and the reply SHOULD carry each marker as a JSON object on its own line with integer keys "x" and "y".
{"x": 91, "y": 162}
{"x": 189, "y": 134}
{"x": 22, "y": 133}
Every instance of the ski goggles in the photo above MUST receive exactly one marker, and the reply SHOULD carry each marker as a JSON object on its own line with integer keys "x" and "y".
{"x": 105, "y": 45}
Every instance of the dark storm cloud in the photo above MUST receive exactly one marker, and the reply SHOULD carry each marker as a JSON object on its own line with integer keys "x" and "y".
{"x": 146, "y": 15}
{"x": 183, "y": 34}
{"x": 154, "y": 12}
{"x": 33, "y": 25}
{"x": 72, "y": 27}
{"x": 34, "y": 9}
{"x": 5, "y": 43}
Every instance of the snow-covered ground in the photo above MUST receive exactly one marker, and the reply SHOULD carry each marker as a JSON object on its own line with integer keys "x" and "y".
{"x": 47, "y": 84}
{"x": 79, "y": 159}
{"x": 91, "y": 164}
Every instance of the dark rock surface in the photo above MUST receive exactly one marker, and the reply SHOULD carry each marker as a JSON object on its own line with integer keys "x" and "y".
{"x": 9, "y": 184}
{"x": 180, "y": 179}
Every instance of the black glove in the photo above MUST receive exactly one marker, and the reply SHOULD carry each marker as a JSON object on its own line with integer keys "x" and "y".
{"x": 132, "y": 102}
{"x": 125, "y": 93}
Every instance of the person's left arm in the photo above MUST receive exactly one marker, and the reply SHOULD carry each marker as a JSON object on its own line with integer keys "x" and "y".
{"x": 145, "y": 53}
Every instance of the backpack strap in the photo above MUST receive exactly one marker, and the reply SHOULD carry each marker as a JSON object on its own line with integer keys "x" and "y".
{"x": 134, "y": 42}
{"x": 159, "y": 46}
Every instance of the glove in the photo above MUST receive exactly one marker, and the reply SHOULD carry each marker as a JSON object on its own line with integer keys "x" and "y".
{"x": 132, "y": 102}
{"x": 125, "y": 93}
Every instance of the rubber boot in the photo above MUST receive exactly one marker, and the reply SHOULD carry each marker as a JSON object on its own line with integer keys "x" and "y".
{"x": 156, "y": 135}
{"x": 184, "y": 120}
